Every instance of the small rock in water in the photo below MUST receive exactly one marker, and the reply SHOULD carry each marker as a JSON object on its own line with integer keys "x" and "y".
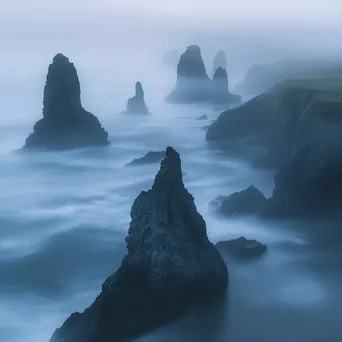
{"x": 246, "y": 202}
{"x": 148, "y": 158}
{"x": 242, "y": 247}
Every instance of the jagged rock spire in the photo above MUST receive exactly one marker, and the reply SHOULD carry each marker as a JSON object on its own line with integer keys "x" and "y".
{"x": 170, "y": 266}
{"x": 220, "y": 61}
{"x": 136, "y": 104}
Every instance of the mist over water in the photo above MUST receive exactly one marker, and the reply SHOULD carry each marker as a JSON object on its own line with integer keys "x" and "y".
{"x": 64, "y": 215}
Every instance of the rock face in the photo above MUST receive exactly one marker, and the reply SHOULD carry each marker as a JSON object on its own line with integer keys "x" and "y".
{"x": 136, "y": 104}
{"x": 242, "y": 248}
{"x": 194, "y": 85}
{"x": 65, "y": 123}
{"x": 170, "y": 266}
{"x": 220, "y": 61}
{"x": 148, "y": 158}
{"x": 299, "y": 123}
{"x": 245, "y": 202}
{"x": 220, "y": 90}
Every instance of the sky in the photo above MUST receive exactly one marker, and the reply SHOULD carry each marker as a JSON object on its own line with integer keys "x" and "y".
{"x": 322, "y": 13}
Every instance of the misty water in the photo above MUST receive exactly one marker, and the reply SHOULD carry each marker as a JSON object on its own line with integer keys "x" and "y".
{"x": 64, "y": 215}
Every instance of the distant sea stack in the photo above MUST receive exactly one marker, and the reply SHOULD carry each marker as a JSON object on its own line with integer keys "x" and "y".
{"x": 194, "y": 85}
{"x": 65, "y": 123}
{"x": 170, "y": 266}
{"x": 136, "y": 104}
{"x": 220, "y": 89}
{"x": 220, "y": 61}
{"x": 171, "y": 58}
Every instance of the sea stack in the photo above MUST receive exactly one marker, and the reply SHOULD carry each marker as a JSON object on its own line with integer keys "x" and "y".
{"x": 193, "y": 83}
{"x": 65, "y": 123}
{"x": 220, "y": 90}
{"x": 136, "y": 104}
{"x": 170, "y": 266}
{"x": 220, "y": 61}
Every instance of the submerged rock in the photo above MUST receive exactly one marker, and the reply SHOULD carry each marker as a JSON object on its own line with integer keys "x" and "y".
{"x": 193, "y": 83}
{"x": 148, "y": 158}
{"x": 245, "y": 202}
{"x": 136, "y": 104}
{"x": 65, "y": 123}
{"x": 170, "y": 266}
{"x": 242, "y": 247}
{"x": 220, "y": 61}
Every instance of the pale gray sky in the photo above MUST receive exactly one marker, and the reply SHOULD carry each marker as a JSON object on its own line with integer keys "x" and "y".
{"x": 229, "y": 12}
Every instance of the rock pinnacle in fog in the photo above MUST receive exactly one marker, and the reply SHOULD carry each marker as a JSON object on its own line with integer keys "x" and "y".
{"x": 170, "y": 266}
{"x": 193, "y": 82}
{"x": 136, "y": 104}
{"x": 220, "y": 61}
{"x": 65, "y": 123}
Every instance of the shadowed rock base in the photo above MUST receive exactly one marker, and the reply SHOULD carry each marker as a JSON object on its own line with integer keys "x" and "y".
{"x": 170, "y": 267}
{"x": 65, "y": 123}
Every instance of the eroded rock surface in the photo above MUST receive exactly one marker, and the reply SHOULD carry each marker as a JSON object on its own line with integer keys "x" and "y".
{"x": 170, "y": 266}
{"x": 65, "y": 123}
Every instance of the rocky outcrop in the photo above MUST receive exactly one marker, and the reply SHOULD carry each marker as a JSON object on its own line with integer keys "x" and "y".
{"x": 202, "y": 117}
{"x": 220, "y": 90}
{"x": 193, "y": 83}
{"x": 65, "y": 123}
{"x": 242, "y": 248}
{"x": 170, "y": 266}
{"x": 299, "y": 123}
{"x": 269, "y": 120}
{"x": 246, "y": 202}
{"x": 136, "y": 104}
{"x": 148, "y": 158}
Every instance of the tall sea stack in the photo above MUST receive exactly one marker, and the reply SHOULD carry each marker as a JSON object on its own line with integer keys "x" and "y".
{"x": 170, "y": 266}
{"x": 136, "y": 104}
{"x": 193, "y": 83}
{"x": 65, "y": 123}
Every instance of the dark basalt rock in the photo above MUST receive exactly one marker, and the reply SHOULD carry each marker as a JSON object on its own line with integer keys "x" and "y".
{"x": 170, "y": 266}
{"x": 242, "y": 248}
{"x": 220, "y": 61}
{"x": 193, "y": 83}
{"x": 65, "y": 123}
{"x": 136, "y": 104}
{"x": 245, "y": 202}
{"x": 220, "y": 89}
{"x": 148, "y": 158}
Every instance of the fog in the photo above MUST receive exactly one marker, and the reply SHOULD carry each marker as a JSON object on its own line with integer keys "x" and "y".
{"x": 64, "y": 215}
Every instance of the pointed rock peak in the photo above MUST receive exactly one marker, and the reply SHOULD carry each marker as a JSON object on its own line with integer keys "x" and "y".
{"x": 193, "y": 49}
{"x": 60, "y": 58}
{"x": 170, "y": 167}
{"x": 220, "y": 73}
{"x": 139, "y": 92}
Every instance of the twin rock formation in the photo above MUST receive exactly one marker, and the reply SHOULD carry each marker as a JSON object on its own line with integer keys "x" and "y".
{"x": 65, "y": 123}
{"x": 194, "y": 85}
{"x": 170, "y": 266}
